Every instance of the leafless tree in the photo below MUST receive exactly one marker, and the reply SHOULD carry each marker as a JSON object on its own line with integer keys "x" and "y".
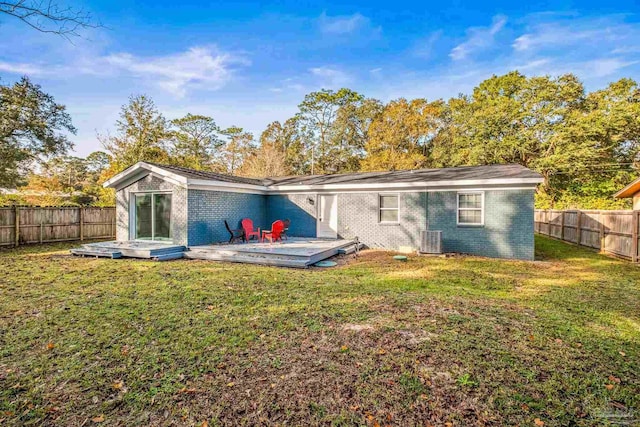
{"x": 47, "y": 16}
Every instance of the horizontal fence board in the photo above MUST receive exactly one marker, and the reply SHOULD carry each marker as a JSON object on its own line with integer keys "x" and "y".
{"x": 55, "y": 224}
{"x": 614, "y": 232}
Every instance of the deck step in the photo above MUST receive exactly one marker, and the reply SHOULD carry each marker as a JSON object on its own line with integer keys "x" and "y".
{"x": 283, "y": 261}
{"x": 168, "y": 256}
{"x": 95, "y": 252}
{"x": 347, "y": 250}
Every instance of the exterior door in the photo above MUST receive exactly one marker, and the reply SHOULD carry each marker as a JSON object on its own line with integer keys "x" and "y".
{"x": 327, "y": 216}
{"x": 152, "y": 217}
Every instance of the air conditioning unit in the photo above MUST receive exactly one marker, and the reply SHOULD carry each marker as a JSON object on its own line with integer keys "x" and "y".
{"x": 430, "y": 242}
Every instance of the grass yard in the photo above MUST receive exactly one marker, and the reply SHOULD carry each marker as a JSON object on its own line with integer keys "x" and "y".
{"x": 460, "y": 341}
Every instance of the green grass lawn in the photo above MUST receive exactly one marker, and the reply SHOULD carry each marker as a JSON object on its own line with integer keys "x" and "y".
{"x": 463, "y": 340}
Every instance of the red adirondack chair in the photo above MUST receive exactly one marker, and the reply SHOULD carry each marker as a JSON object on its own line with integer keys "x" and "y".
{"x": 275, "y": 233}
{"x": 247, "y": 226}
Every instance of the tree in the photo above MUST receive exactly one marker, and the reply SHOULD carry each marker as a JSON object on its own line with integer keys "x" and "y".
{"x": 512, "y": 119}
{"x": 401, "y": 136}
{"x": 351, "y": 132}
{"x": 195, "y": 141}
{"x": 96, "y": 163}
{"x": 32, "y": 126}
{"x": 318, "y": 112}
{"x": 290, "y": 140}
{"x": 268, "y": 161}
{"x": 70, "y": 171}
{"x": 141, "y": 135}
{"x": 48, "y": 16}
{"x": 237, "y": 148}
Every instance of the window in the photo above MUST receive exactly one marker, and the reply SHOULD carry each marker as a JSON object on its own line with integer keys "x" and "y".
{"x": 471, "y": 208}
{"x": 389, "y": 207}
{"x": 152, "y": 216}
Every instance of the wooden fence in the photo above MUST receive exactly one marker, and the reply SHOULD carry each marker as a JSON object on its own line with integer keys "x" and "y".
{"x": 614, "y": 232}
{"x": 21, "y": 225}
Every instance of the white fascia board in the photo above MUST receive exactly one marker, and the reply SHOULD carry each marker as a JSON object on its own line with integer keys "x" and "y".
{"x": 409, "y": 185}
{"x": 206, "y": 184}
{"x": 505, "y": 184}
{"x": 118, "y": 180}
{"x": 412, "y": 190}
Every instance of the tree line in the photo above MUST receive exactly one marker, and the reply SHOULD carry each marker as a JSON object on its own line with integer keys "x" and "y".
{"x": 585, "y": 144}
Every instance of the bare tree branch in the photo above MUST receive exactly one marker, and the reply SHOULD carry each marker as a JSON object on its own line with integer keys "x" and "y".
{"x": 47, "y": 16}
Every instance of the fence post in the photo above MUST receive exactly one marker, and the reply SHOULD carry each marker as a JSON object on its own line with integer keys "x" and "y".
{"x": 562, "y": 225}
{"x": 579, "y": 228}
{"x": 548, "y": 218}
{"x": 602, "y": 229}
{"x": 81, "y": 223}
{"x": 16, "y": 211}
{"x": 634, "y": 236}
{"x": 41, "y": 224}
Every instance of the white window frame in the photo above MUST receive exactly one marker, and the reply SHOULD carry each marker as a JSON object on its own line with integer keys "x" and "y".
{"x": 481, "y": 209}
{"x": 133, "y": 217}
{"x": 380, "y": 208}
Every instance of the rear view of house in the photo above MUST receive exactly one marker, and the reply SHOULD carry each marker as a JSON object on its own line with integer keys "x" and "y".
{"x": 481, "y": 210}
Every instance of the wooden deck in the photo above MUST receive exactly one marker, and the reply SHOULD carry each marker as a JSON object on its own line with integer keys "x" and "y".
{"x": 158, "y": 251}
{"x": 295, "y": 252}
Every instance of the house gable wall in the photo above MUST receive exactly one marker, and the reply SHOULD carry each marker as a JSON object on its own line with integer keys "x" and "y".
{"x": 151, "y": 183}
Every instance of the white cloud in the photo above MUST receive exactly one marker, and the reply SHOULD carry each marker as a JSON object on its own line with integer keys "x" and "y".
{"x": 424, "y": 47}
{"x": 478, "y": 38}
{"x": 343, "y": 24}
{"x": 197, "y": 67}
{"x": 330, "y": 76}
{"x": 19, "y": 68}
{"x": 607, "y": 66}
{"x": 553, "y": 35}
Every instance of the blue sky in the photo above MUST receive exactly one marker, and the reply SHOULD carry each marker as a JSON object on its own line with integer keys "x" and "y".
{"x": 249, "y": 63}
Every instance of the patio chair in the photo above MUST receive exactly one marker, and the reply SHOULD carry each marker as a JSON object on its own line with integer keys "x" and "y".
{"x": 275, "y": 233}
{"x": 234, "y": 234}
{"x": 247, "y": 226}
{"x": 287, "y": 223}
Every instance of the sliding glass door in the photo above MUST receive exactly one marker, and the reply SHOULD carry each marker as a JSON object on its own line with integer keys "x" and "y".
{"x": 153, "y": 216}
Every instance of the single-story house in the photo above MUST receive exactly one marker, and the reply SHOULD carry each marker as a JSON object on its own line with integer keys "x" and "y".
{"x": 482, "y": 210}
{"x": 631, "y": 191}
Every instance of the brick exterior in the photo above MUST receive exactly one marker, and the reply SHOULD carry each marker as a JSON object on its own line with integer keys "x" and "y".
{"x": 209, "y": 209}
{"x": 508, "y": 224}
{"x": 358, "y": 216}
{"x": 198, "y": 217}
{"x": 153, "y": 183}
{"x": 297, "y": 208}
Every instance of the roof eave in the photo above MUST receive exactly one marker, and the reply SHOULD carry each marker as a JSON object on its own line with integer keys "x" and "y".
{"x": 628, "y": 191}
{"x": 533, "y": 181}
{"x": 141, "y": 168}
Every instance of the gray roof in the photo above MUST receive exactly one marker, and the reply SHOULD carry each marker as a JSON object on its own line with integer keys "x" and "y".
{"x": 196, "y": 174}
{"x": 461, "y": 173}
{"x": 418, "y": 175}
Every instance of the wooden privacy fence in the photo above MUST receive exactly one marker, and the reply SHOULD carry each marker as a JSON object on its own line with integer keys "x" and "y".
{"x": 614, "y": 232}
{"x": 21, "y": 225}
